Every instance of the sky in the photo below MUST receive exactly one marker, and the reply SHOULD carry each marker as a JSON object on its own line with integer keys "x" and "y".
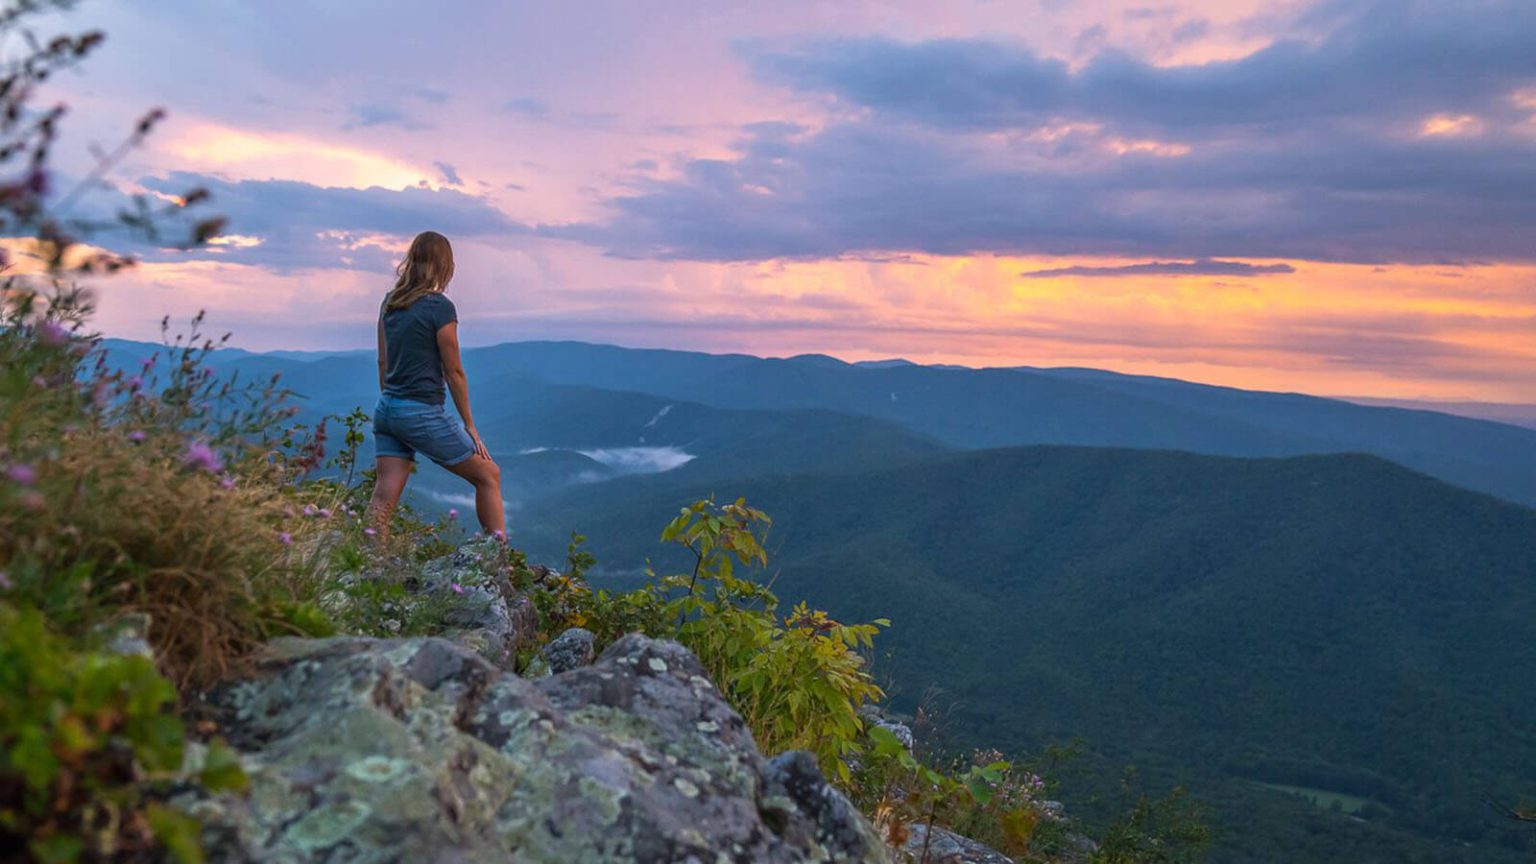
{"x": 1336, "y": 197}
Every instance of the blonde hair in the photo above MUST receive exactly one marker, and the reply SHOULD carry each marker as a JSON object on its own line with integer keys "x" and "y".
{"x": 427, "y": 269}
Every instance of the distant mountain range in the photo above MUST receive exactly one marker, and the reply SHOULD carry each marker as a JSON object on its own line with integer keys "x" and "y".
{"x": 1499, "y": 412}
{"x": 958, "y": 408}
{"x": 1072, "y": 552}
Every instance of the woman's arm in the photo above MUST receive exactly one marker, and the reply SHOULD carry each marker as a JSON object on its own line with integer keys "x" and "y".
{"x": 382, "y": 361}
{"x": 458, "y": 382}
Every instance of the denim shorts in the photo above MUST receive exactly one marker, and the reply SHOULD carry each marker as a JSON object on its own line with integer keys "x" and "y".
{"x": 404, "y": 427}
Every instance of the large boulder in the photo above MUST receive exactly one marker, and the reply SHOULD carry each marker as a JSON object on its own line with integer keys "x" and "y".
{"x": 420, "y": 750}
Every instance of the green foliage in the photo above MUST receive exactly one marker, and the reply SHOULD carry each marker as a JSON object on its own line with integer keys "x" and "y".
{"x": 798, "y": 680}
{"x": 985, "y": 797}
{"x": 80, "y": 732}
{"x": 1166, "y": 830}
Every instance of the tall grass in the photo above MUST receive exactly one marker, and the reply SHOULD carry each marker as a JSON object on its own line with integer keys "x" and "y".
{"x": 162, "y": 490}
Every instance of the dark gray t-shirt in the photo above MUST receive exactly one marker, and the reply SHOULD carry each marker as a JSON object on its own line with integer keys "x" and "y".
{"x": 413, "y": 369}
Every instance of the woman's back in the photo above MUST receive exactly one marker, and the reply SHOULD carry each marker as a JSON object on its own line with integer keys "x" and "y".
{"x": 413, "y": 366}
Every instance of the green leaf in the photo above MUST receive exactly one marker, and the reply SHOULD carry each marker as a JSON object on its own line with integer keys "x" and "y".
{"x": 221, "y": 770}
{"x": 58, "y": 849}
{"x": 980, "y": 789}
{"x": 177, "y": 831}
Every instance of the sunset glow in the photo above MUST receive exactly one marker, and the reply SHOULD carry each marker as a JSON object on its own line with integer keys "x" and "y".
{"x": 1214, "y": 191}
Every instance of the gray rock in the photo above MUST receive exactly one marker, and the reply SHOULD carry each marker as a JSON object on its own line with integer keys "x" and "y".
{"x": 366, "y": 750}
{"x": 875, "y": 716}
{"x": 128, "y": 635}
{"x": 474, "y": 603}
{"x": 570, "y": 650}
{"x": 836, "y": 824}
{"x": 902, "y": 731}
{"x": 947, "y": 847}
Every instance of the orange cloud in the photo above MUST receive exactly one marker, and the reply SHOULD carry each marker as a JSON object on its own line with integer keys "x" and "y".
{"x": 1451, "y": 126}
{"x": 248, "y": 155}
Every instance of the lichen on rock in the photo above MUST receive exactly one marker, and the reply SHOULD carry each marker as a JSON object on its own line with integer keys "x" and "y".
{"x": 421, "y": 750}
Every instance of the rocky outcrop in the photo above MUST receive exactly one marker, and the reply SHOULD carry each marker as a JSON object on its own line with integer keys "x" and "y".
{"x": 472, "y": 602}
{"x": 933, "y": 845}
{"x": 421, "y": 750}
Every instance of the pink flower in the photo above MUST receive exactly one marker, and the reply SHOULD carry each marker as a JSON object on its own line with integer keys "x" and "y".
{"x": 309, "y": 510}
{"x": 453, "y": 513}
{"x": 500, "y": 535}
{"x": 135, "y": 383}
{"x": 136, "y": 436}
{"x": 227, "y": 483}
{"x": 285, "y": 538}
{"x": 369, "y": 532}
{"x": 323, "y": 513}
{"x": 149, "y": 363}
{"x": 200, "y": 455}
{"x": 457, "y": 588}
{"x": 21, "y": 475}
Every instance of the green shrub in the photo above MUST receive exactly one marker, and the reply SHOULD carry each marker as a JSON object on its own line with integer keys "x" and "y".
{"x": 984, "y": 797}
{"x": 798, "y": 680}
{"x": 82, "y": 737}
{"x": 1169, "y": 829}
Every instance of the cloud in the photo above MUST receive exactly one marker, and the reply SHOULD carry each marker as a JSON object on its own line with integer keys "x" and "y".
{"x": 528, "y": 106}
{"x": 1200, "y": 267}
{"x": 374, "y": 114}
{"x": 449, "y": 174}
{"x": 301, "y": 225}
{"x": 1376, "y": 61}
{"x": 1322, "y": 147}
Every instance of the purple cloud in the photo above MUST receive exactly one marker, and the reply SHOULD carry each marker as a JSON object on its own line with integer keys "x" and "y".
{"x": 1200, "y": 267}
{"x": 1306, "y": 150}
{"x": 301, "y": 225}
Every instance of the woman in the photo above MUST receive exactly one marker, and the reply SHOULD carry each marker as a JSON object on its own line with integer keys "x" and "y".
{"x": 418, "y": 353}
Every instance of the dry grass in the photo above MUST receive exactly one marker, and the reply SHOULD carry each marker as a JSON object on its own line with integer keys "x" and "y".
{"x": 128, "y": 526}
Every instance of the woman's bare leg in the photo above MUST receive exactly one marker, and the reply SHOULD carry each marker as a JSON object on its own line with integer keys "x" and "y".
{"x": 392, "y": 473}
{"x": 485, "y": 476}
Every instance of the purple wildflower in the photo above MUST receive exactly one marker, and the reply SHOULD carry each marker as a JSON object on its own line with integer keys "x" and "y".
{"x": 369, "y": 532}
{"x": 285, "y": 538}
{"x": 457, "y": 588}
{"x": 227, "y": 483}
{"x": 137, "y": 436}
{"x": 21, "y": 475}
{"x": 135, "y": 383}
{"x": 324, "y": 513}
{"x": 453, "y": 512}
{"x": 200, "y": 455}
{"x": 309, "y": 510}
{"x": 52, "y": 333}
{"x": 149, "y": 363}
{"x": 500, "y": 535}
